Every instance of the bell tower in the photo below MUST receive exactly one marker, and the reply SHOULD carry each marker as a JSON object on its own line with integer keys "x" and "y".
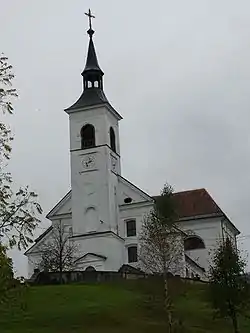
{"x": 94, "y": 152}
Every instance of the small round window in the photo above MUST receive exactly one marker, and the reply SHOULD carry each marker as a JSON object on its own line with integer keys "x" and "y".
{"x": 128, "y": 200}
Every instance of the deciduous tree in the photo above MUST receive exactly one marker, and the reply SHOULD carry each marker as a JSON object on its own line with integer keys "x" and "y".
{"x": 19, "y": 210}
{"x": 161, "y": 244}
{"x": 59, "y": 253}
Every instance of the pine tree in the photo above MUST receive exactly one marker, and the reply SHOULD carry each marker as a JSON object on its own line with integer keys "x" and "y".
{"x": 229, "y": 289}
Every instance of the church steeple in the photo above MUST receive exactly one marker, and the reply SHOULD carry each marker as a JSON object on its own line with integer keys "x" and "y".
{"x": 92, "y": 73}
{"x": 93, "y": 93}
{"x": 94, "y": 156}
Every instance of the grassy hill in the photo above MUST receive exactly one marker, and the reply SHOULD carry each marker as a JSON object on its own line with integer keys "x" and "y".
{"x": 132, "y": 306}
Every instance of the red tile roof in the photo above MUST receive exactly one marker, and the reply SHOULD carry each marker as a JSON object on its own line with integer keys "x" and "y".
{"x": 194, "y": 203}
{"x": 197, "y": 203}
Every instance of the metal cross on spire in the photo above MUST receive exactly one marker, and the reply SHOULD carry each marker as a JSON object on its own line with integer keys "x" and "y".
{"x": 90, "y": 16}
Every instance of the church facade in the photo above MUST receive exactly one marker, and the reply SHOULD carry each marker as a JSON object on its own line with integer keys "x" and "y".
{"x": 103, "y": 211}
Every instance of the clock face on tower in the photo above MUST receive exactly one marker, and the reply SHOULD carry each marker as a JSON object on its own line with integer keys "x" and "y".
{"x": 88, "y": 161}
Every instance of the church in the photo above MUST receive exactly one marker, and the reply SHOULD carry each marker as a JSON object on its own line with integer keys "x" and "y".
{"x": 103, "y": 211}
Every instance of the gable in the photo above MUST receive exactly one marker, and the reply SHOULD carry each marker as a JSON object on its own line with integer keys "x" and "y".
{"x": 90, "y": 257}
{"x": 128, "y": 190}
{"x": 39, "y": 241}
{"x": 62, "y": 207}
{"x": 125, "y": 190}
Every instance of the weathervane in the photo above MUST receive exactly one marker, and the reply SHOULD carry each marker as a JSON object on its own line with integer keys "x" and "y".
{"x": 90, "y": 16}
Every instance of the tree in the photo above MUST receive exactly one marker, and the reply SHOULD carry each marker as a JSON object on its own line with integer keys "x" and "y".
{"x": 19, "y": 210}
{"x": 6, "y": 274}
{"x": 59, "y": 253}
{"x": 12, "y": 291}
{"x": 161, "y": 244}
{"x": 229, "y": 289}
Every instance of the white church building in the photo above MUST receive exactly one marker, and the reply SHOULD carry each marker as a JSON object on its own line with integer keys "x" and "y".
{"x": 104, "y": 211}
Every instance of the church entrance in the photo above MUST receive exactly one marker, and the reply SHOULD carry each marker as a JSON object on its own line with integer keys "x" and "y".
{"x": 91, "y": 274}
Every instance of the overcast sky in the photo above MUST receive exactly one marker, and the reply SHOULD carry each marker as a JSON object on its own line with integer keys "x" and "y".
{"x": 177, "y": 71}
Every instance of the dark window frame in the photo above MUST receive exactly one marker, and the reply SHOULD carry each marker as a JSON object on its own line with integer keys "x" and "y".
{"x": 131, "y": 227}
{"x": 112, "y": 139}
{"x": 88, "y": 136}
{"x": 132, "y": 254}
{"x": 194, "y": 243}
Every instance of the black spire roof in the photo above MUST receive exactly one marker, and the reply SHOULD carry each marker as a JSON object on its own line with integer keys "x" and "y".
{"x": 91, "y": 62}
{"x": 93, "y": 93}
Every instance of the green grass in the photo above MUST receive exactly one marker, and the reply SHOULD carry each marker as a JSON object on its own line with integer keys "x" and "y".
{"x": 132, "y": 306}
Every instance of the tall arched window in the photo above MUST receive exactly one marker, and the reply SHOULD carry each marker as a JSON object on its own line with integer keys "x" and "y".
{"x": 112, "y": 139}
{"x": 193, "y": 243}
{"x": 88, "y": 136}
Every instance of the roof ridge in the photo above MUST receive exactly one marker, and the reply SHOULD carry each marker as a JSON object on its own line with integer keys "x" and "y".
{"x": 192, "y": 190}
{"x": 185, "y": 191}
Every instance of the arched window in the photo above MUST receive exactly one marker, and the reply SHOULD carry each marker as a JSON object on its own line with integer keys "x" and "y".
{"x": 90, "y": 269}
{"x": 132, "y": 254}
{"x": 112, "y": 139}
{"x": 193, "y": 243}
{"x": 88, "y": 136}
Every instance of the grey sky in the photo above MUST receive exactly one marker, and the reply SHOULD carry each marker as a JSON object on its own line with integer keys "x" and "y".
{"x": 177, "y": 71}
